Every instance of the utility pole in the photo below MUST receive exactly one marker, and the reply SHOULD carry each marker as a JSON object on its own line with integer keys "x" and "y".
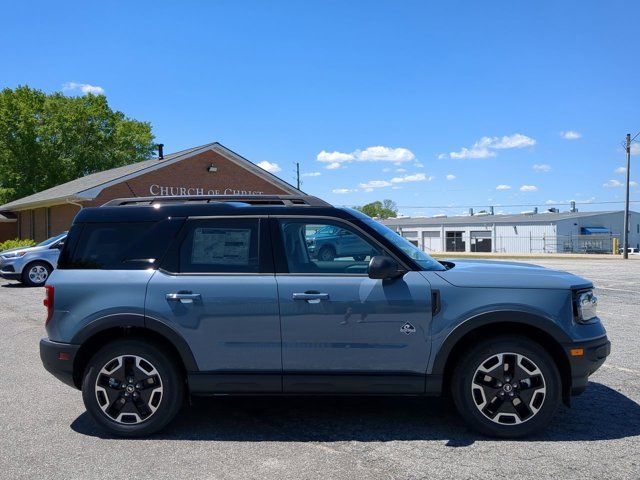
{"x": 298, "y": 175}
{"x": 625, "y": 241}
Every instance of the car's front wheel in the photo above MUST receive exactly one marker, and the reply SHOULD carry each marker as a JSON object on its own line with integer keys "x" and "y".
{"x": 132, "y": 388}
{"x": 507, "y": 387}
{"x": 35, "y": 274}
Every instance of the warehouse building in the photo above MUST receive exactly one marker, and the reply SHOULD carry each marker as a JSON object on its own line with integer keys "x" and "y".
{"x": 531, "y": 232}
{"x": 210, "y": 169}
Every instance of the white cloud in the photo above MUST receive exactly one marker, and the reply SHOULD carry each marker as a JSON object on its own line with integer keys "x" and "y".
{"x": 333, "y": 166}
{"x": 516, "y": 140}
{"x": 376, "y": 184}
{"x": 620, "y": 170}
{"x": 396, "y": 187}
{"x": 542, "y": 167}
{"x": 311, "y": 174}
{"x": 528, "y": 188}
{"x": 270, "y": 167}
{"x": 334, "y": 157}
{"x": 450, "y": 177}
{"x": 415, "y": 177}
{"x": 635, "y": 148}
{"x": 343, "y": 190}
{"x": 368, "y": 189}
{"x": 83, "y": 87}
{"x": 370, "y": 154}
{"x": 418, "y": 165}
{"x": 401, "y": 170}
{"x": 618, "y": 184}
{"x": 484, "y": 148}
{"x": 503, "y": 187}
{"x": 385, "y": 154}
{"x": 570, "y": 135}
{"x": 386, "y": 169}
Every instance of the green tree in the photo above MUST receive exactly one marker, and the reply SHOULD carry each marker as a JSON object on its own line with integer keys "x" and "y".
{"x": 380, "y": 209}
{"x": 46, "y": 140}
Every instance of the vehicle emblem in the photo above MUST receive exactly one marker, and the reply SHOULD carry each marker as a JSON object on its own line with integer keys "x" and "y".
{"x": 408, "y": 329}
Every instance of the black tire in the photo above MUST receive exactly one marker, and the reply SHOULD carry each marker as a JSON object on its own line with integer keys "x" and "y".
{"x": 169, "y": 387}
{"x": 359, "y": 258}
{"x": 35, "y": 274}
{"x": 532, "y": 397}
{"x": 326, "y": 254}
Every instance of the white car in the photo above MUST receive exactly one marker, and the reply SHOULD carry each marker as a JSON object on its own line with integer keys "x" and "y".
{"x": 32, "y": 265}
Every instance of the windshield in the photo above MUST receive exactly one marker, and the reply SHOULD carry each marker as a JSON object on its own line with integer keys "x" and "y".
{"x": 52, "y": 240}
{"x": 417, "y": 255}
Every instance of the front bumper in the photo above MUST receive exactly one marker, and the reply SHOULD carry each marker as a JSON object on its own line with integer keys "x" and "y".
{"x": 58, "y": 359}
{"x": 582, "y": 366}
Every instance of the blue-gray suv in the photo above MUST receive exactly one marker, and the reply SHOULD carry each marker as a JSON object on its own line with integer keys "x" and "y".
{"x": 156, "y": 299}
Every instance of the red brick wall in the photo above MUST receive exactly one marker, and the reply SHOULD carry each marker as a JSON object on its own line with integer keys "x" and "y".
{"x": 25, "y": 224}
{"x": 192, "y": 173}
{"x": 8, "y": 231}
{"x": 40, "y": 224}
{"x": 62, "y": 217}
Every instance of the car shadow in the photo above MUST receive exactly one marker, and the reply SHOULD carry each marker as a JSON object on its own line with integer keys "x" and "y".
{"x": 601, "y": 413}
{"x": 14, "y": 285}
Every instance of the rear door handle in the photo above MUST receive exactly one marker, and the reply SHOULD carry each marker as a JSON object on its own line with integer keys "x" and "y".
{"x": 183, "y": 297}
{"x": 311, "y": 297}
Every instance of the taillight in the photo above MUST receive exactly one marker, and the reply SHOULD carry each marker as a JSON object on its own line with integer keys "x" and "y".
{"x": 48, "y": 301}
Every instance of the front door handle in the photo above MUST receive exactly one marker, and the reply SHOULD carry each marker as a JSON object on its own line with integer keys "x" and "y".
{"x": 309, "y": 297}
{"x": 183, "y": 297}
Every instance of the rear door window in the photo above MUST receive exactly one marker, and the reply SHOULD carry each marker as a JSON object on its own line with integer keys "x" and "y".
{"x": 221, "y": 246}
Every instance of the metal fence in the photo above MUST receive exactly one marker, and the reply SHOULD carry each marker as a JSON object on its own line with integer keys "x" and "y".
{"x": 596, "y": 244}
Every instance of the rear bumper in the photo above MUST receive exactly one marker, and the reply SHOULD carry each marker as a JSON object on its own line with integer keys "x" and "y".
{"x": 58, "y": 359}
{"x": 594, "y": 354}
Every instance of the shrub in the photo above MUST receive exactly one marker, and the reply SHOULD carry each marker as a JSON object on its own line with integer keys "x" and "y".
{"x": 15, "y": 243}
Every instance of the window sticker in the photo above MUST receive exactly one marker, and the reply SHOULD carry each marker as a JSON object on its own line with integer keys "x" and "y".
{"x": 221, "y": 246}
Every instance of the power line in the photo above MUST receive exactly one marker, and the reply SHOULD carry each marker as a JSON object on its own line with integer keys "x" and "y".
{"x": 512, "y": 205}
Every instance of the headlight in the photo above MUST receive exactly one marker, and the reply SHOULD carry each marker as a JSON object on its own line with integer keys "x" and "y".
{"x": 587, "y": 307}
{"x": 14, "y": 255}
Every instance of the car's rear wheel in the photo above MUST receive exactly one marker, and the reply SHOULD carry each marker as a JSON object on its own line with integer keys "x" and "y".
{"x": 326, "y": 254}
{"x": 507, "y": 387}
{"x": 132, "y": 388}
{"x": 35, "y": 274}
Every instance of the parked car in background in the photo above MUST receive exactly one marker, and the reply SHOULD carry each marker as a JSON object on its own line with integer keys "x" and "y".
{"x": 630, "y": 251}
{"x": 331, "y": 242}
{"x": 156, "y": 299}
{"x": 32, "y": 265}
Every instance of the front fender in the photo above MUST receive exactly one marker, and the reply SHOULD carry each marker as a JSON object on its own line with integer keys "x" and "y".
{"x": 511, "y": 316}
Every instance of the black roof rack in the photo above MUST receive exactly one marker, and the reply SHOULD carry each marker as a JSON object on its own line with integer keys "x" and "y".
{"x": 285, "y": 200}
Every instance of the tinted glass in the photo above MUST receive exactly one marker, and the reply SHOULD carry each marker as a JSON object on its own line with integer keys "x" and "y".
{"x": 118, "y": 246}
{"x": 221, "y": 246}
{"x": 418, "y": 256}
{"x": 325, "y": 247}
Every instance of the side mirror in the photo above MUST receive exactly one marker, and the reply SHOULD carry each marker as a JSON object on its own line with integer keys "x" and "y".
{"x": 60, "y": 246}
{"x": 382, "y": 267}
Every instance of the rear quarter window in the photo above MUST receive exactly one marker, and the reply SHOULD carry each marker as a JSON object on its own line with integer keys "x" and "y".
{"x": 118, "y": 246}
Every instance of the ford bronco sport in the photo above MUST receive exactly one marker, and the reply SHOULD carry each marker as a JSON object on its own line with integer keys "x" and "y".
{"x": 155, "y": 299}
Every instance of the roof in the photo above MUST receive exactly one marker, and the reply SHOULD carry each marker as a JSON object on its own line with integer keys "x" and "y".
{"x": 7, "y": 217}
{"x": 89, "y": 186}
{"x": 546, "y": 217}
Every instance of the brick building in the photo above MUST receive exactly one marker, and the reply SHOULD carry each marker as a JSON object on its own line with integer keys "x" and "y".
{"x": 210, "y": 169}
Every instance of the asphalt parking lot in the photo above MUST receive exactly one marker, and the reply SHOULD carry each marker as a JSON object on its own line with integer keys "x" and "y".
{"x": 45, "y": 432}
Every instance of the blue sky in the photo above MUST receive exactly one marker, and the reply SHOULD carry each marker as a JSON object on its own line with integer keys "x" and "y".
{"x": 376, "y": 99}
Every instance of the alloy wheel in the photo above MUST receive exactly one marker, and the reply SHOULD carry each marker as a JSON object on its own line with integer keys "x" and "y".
{"x": 129, "y": 389}
{"x": 38, "y": 274}
{"x": 508, "y": 388}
